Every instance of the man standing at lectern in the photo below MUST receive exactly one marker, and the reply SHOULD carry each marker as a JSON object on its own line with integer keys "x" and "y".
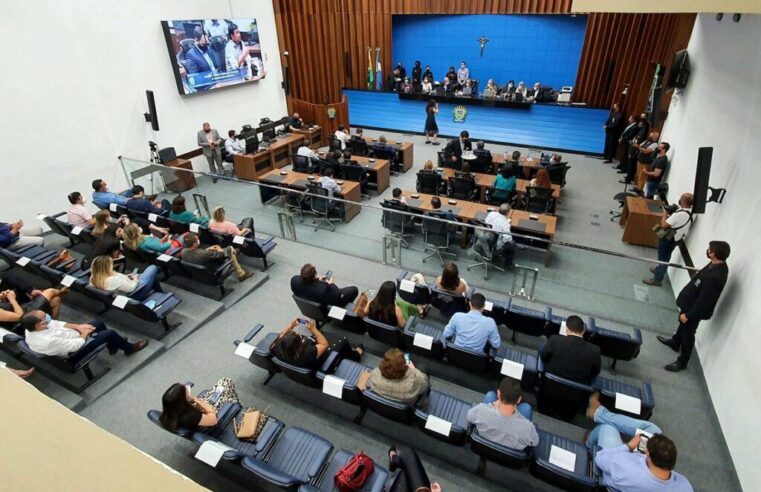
{"x": 209, "y": 141}
{"x": 696, "y": 302}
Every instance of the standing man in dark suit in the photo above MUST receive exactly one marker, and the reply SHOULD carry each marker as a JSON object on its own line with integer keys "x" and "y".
{"x": 454, "y": 149}
{"x": 612, "y": 131}
{"x": 697, "y": 301}
{"x": 572, "y": 357}
{"x": 625, "y": 140}
{"x": 417, "y": 76}
{"x": 323, "y": 290}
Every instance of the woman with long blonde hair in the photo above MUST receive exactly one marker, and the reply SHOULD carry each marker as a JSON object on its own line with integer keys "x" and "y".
{"x": 221, "y": 225}
{"x": 135, "y": 240}
{"x": 136, "y": 286}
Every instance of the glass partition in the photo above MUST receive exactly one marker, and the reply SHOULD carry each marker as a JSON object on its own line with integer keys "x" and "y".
{"x": 590, "y": 279}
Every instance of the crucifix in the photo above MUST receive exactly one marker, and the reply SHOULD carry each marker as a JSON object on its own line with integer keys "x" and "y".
{"x": 482, "y": 42}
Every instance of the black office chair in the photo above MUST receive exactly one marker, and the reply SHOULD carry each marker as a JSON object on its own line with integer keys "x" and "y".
{"x": 397, "y": 223}
{"x": 430, "y": 182}
{"x": 497, "y": 197}
{"x": 358, "y": 147}
{"x": 322, "y": 205}
{"x": 558, "y": 173}
{"x": 296, "y": 203}
{"x": 539, "y": 200}
{"x": 463, "y": 188}
{"x": 334, "y": 144}
{"x": 353, "y": 172}
{"x": 482, "y": 163}
{"x": 392, "y": 156}
{"x": 437, "y": 236}
{"x": 484, "y": 249}
{"x": 443, "y": 161}
{"x": 303, "y": 164}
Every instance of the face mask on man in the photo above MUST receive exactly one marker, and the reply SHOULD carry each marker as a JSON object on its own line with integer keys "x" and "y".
{"x": 48, "y": 319}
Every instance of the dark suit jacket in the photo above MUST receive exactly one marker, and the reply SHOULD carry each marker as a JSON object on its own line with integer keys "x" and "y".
{"x": 143, "y": 205}
{"x": 455, "y": 148}
{"x": 699, "y": 297}
{"x": 196, "y": 62}
{"x": 629, "y": 132}
{"x": 613, "y": 123}
{"x": 571, "y": 357}
{"x": 317, "y": 291}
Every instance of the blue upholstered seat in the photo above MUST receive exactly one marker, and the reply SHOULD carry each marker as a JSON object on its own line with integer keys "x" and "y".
{"x": 581, "y": 479}
{"x": 374, "y": 483}
{"x": 448, "y": 408}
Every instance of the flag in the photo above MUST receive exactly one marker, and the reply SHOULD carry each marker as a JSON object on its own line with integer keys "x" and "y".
{"x": 378, "y": 70}
{"x": 370, "y": 75}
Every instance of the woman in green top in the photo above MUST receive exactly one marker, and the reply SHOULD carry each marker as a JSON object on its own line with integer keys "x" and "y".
{"x": 504, "y": 185}
{"x": 181, "y": 214}
{"x": 135, "y": 240}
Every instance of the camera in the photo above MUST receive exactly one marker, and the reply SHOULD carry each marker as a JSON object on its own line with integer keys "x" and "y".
{"x": 670, "y": 209}
{"x": 153, "y": 145}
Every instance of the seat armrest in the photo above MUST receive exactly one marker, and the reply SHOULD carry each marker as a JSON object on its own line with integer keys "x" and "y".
{"x": 410, "y": 322}
{"x": 330, "y": 362}
{"x": 591, "y": 324}
{"x": 269, "y": 473}
{"x": 547, "y": 313}
{"x": 224, "y": 266}
{"x": 173, "y": 251}
{"x": 508, "y": 303}
{"x": 254, "y": 331}
{"x": 402, "y": 275}
{"x": 637, "y": 335}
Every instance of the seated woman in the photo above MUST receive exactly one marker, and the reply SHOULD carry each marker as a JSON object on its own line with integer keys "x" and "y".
{"x": 504, "y": 184}
{"x": 394, "y": 378}
{"x": 541, "y": 180}
{"x": 181, "y": 214}
{"x": 136, "y": 286}
{"x": 450, "y": 280}
{"x": 135, "y": 240}
{"x": 104, "y": 226}
{"x": 221, "y": 225}
{"x": 387, "y": 308}
{"x": 18, "y": 296}
{"x": 413, "y": 475}
{"x": 106, "y": 246}
{"x": 429, "y": 165}
{"x": 180, "y": 409}
{"x": 304, "y": 351}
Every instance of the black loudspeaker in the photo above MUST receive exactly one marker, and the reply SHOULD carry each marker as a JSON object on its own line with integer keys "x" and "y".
{"x": 680, "y": 71}
{"x": 702, "y": 176}
{"x": 152, "y": 116}
{"x": 167, "y": 154}
{"x": 286, "y": 81}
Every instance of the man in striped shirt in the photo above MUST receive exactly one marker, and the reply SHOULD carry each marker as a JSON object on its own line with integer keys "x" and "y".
{"x": 503, "y": 419}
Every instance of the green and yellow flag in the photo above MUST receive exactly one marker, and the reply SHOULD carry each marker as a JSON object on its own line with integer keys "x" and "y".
{"x": 370, "y": 73}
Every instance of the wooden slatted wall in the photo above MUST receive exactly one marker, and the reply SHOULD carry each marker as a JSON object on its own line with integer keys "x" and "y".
{"x": 327, "y": 41}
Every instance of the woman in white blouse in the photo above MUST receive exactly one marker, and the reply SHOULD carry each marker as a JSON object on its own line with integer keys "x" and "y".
{"x": 136, "y": 286}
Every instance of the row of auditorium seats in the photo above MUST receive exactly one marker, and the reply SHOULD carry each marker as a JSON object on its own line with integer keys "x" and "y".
{"x": 444, "y": 417}
{"x": 287, "y": 457}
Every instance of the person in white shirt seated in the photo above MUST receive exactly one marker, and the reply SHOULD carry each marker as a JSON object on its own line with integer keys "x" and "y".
{"x": 56, "y": 338}
{"x": 327, "y": 182}
{"x": 342, "y": 136}
{"x": 233, "y": 145}
{"x": 499, "y": 221}
{"x": 133, "y": 285}
{"x": 307, "y": 151}
{"x": 78, "y": 215}
{"x": 427, "y": 85}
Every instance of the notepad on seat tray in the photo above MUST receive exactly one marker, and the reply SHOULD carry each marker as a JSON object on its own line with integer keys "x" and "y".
{"x": 532, "y": 225}
{"x": 563, "y": 458}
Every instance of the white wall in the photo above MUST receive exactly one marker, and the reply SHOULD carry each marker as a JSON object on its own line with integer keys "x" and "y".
{"x": 720, "y": 108}
{"x": 72, "y": 92}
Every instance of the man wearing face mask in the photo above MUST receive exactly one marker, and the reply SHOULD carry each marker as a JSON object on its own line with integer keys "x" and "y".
{"x": 55, "y": 338}
{"x": 696, "y": 302}
{"x": 209, "y": 141}
{"x": 237, "y": 55}
{"x": 198, "y": 57}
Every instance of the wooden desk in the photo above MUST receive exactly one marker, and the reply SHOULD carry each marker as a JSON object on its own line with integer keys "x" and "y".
{"x": 641, "y": 178}
{"x": 526, "y": 163}
{"x": 405, "y": 151}
{"x": 350, "y": 190}
{"x": 484, "y": 181}
{"x": 313, "y": 135}
{"x": 252, "y": 166}
{"x": 638, "y": 218}
{"x": 185, "y": 179}
{"x": 380, "y": 169}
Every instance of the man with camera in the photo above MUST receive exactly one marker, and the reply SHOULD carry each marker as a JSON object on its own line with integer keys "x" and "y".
{"x": 672, "y": 228}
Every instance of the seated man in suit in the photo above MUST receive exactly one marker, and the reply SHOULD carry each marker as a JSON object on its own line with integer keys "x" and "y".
{"x": 140, "y": 203}
{"x": 321, "y": 289}
{"x": 454, "y": 149}
{"x": 60, "y": 339}
{"x": 357, "y": 135}
{"x": 572, "y": 357}
{"x": 211, "y": 257}
{"x": 482, "y": 151}
{"x": 198, "y": 57}
{"x": 472, "y": 330}
{"x": 382, "y": 145}
{"x": 396, "y": 196}
{"x": 306, "y": 151}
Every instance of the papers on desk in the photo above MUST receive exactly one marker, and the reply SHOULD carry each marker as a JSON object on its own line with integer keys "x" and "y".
{"x": 333, "y": 386}
{"x": 407, "y": 286}
{"x": 152, "y": 217}
{"x": 488, "y": 306}
{"x": 438, "y": 425}
{"x": 194, "y": 228}
{"x": 23, "y": 261}
{"x": 239, "y": 239}
{"x": 563, "y": 329}
{"x": 512, "y": 369}
{"x": 563, "y": 458}
{"x": 211, "y": 452}
{"x": 337, "y": 313}
{"x": 628, "y": 404}
{"x": 120, "y": 301}
{"x": 245, "y": 350}
{"x": 423, "y": 341}
{"x": 68, "y": 280}
{"x": 76, "y": 231}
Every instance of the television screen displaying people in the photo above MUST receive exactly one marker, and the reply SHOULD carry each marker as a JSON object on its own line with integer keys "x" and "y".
{"x": 208, "y": 54}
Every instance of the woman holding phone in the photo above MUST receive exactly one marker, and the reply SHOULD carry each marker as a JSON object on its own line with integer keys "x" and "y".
{"x": 304, "y": 351}
{"x": 431, "y": 128}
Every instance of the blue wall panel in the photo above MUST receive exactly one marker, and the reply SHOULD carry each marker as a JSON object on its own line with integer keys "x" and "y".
{"x": 531, "y": 48}
{"x": 543, "y": 126}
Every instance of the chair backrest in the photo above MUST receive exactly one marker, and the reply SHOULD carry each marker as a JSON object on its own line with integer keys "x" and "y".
{"x": 301, "y": 163}
{"x": 560, "y": 396}
{"x": 353, "y": 173}
{"x": 384, "y": 153}
{"x": 527, "y": 321}
{"x": 358, "y": 147}
{"x": 557, "y": 173}
{"x": 54, "y": 226}
{"x": 386, "y": 334}
{"x": 391, "y": 409}
{"x": 203, "y": 274}
{"x": 448, "y": 303}
{"x": 154, "y": 416}
{"x": 436, "y": 231}
{"x": 428, "y": 182}
{"x": 481, "y": 164}
{"x": 539, "y": 199}
{"x": 335, "y": 144}
{"x": 484, "y": 242}
{"x": 498, "y": 197}
{"x": 302, "y": 375}
{"x": 320, "y": 201}
{"x": 421, "y": 294}
{"x": 462, "y": 188}
{"x": 391, "y": 220}
{"x": 311, "y": 309}
{"x": 470, "y": 360}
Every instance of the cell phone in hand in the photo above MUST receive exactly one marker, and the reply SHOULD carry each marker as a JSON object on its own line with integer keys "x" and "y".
{"x": 644, "y": 436}
{"x": 302, "y": 321}
{"x": 135, "y": 270}
{"x": 407, "y": 357}
{"x": 328, "y": 274}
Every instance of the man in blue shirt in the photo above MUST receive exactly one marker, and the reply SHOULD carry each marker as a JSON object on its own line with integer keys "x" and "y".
{"x": 472, "y": 330}
{"x": 102, "y": 197}
{"x": 623, "y": 469}
{"x": 140, "y": 203}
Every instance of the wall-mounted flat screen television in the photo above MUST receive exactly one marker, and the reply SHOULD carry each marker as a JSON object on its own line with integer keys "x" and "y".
{"x": 209, "y": 54}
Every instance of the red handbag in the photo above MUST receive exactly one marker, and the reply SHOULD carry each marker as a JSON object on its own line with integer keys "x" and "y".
{"x": 353, "y": 475}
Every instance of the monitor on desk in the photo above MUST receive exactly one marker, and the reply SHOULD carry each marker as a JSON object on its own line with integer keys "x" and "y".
{"x": 252, "y": 144}
{"x": 267, "y": 130}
